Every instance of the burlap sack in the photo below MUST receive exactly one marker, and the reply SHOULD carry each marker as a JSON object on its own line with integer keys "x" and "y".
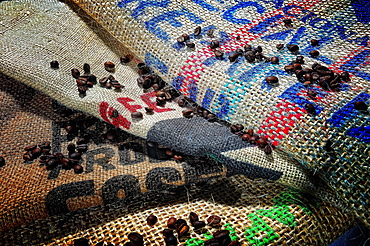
{"x": 49, "y": 30}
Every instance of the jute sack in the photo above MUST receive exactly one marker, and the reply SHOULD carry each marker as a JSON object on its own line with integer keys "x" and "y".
{"x": 70, "y": 41}
{"x": 320, "y": 126}
{"x": 255, "y": 212}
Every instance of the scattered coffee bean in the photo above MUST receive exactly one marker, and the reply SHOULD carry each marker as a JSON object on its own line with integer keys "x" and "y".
{"x": 328, "y": 146}
{"x": 171, "y": 223}
{"x": 233, "y": 57}
{"x": 259, "y": 49}
{"x": 187, "y": 113}
{"x": 314, "y": 53}
{"x": 250, "y": 56}
{"x": 54, "y": 64}
{"x": 149, "y": 110}
{"x": 213, "y": 220}
{"x": 220, "y": 235}
{"x": 109, "y": 66}
{"x": 235, "y": 243}
{"x": 182, "y": 230}
{"x": 125, "y": 59}
{"x": 261, "y": 142}
{"x": 137, "y": 115}
{"x": 289, "y": 68}
{"x": 214, "y": 44}
{"x": 136, "y": 238}
{"x": 82, "y": 90}
{"x": 193, "y": 217}
{"x": 2, "y": 161}
{"x": 86, "y": 68}
{"x": 36, "y": 152}
{"x": 199, "y": 224}
{"x": 267, "y": 149}
{"x": 75, "y": 155}
{"x": 30, "y": 147}
{"x": 314, "y": 42}
{"x": 360, "y": 105}
{"x": 197, "y": 31}
{"x": 171, "y": 241}
{"x": 81, "y": 242}
{"x": 151, "y": 220}
{"x": 179, "y": 222}
{"x": 103, "y": 81}
{"x": 190, "y": 45}
{"x": 210, "y": 33}
{"x": 293, "y": 48}
{"x": 279, "y": 46}
{"x": 274, "y": 60}
{"x": 299, "y": 59}
{"x": 310, "y": 109}
{"x": 75, "y": 73}
{"x": 345, "y": 75}
{"x": 247, "y": 47}
{"x": 212, "y": 242}
{"x": 167, "y": 232}
{"x": 288, "y": 22}
{"x": 272, "y": 80}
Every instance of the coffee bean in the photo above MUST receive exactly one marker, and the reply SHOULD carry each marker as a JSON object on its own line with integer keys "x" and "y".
{"x": 136, "y": 238}
{"x": 198, "y": 224}
{"x": 44, "y": 145}
{"x": 81, "y": 242}
{"x": 171, "y": 241}
{"x": 114, "y": 113}
{"x": 27, "y": 156}
{"x": 149, "y": 110}
{"x": 246, "y": 137}
{"x": 310, "y": 108}
{"x": 2, "y": 161}
{"x": 259, "y": 49}
{"x": 180, "y": 222}
{"x": 328, "y": 146}
{"x": 299, "y": 59}
{"x": 78, "y": 169}
{"x": 272, "y": 80}
{"x": 30, "y": 147}
{"x": 307, "y": 77}
{"x": 235, "y": 243}
{"x": 233, "y": 57}
{"x": 81, "y": 81}
{"x": 221, "y": 235}
{"x": 259, "y": 56}
{"x": 314, "y": 42}
{"x": 86, "y": 68}
{"x": 180, "y": 39}
{"x": 186, "y": 36}
{"x": 109, "y": 66}
{"x": 181, "y": 102}
{"x": 66, "y": 162}
{"x": 210, "y": 33}
{"x": 267, "y": 149}
{"x": 187, "y": 113}
{"x": 182, "y": 230}
{"x": 289, "y": 68}
{"x": 314, "y": 53}
{"x": 233, "y": 128}
{"x": 103, "y": 81}
{"x": 197, "y": 31}
{"x": 293, "y": 48}
{"x": 51, "y": 164}
{"x": 214, "y": 44}
{"x": 250, "y": 56}
{"x": 167, "y": 232}
{"x": 261, "y": 142}
{"x": 360, "y": 105}
{"x": 288, "y": 22}
{"x": 82, "y": 90}
{"x": 36, "y": 152}
{"x": 226, "y": 241}
{"x": 171, "y": 223}
{"x": 160, "y": 101}
{"x": 54, "y": 64}
{"x": 212, "y": 242}
{"x": 279, "y": 46}
{"x": 75, "y": 73}
{"x": 125, "y": 59}
{"x": 75, "y": 155}
{"x": 137, "y": 115}
{"x": 193, "y": 217}
{"x": 274, "y": 60}
{"x": 213, "y": 220}
{"x": 345, "y": 75}
{"x": 190, "y": 45}
{"x": 151, "y": 220}
{"x": 297, "y": 66}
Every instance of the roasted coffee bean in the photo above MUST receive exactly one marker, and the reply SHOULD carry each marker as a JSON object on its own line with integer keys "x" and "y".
{"x": 82, "y": 140}
{"x": 212, "y": 242}
{"x": 54, "y": 64}
{"x": 213, "y": 220}
{"x": 267, "y": 149}
{"x": 198, "y": 224}
{"x": 235, "y": 243}
{"x": 167, "y": 232}
{"x": 307, "y": 77}
{"x": 75, "y": 73}
{"x": 182, "y": 230}
{"x": 299, "y": 59}
{"x": 109, "y": 66}
{"x": 160, "y": 94}
{"x": 180, "y": 39}
{"x": 314, "y": 53}
{"x": 214, "y": 44}
{"x": 86, "y": 68}
{"x": 75, "y": 155}
{"x": 211, "y": 117}
{"x": 226, "y": 241}
{"x": 36, "y": 152}
{"x": 44, "y": 145}
{"x": 81, "y": 242}
{"x": 171, "y": 223}
{"x": 299, "y": 74}
{"x": 160, "y": 101}
{"x": 210, "y": 33}
{"x": 197, "y": 31}
{"x": 136, "y": 238}
{"x": 137, "y": 115}
{"x": 289, "y": 68}
{"x": 261, "y": 142}
{"x": 311, "y": 93}
{"x": 360, "y": 105}
{"x": 125, "y": 59}
{"x": 151, "y": 220}
{"x": 27, "y": 156}
{"x": 314, "y": 42}
{"x": 179, "y": 222}
{"x": 186, "y": 36}
{"x": 246, "y": 137}
{"x": 259, "y": 56}
{"x": 179, "y": 158}
{"x": 114, "y": 113}
{"x": 190, "y": 45}
{"x": 149, "y": 110}
{"x": 103, "y": 81}
{"x": 272, "y": 80}
{"x": 345, "y": 76}
{"x": 310, "y": 109}
{"x": 30, "y": 148}
{"x": 233, "y": 128}
{"x": 2, "y": 161}
{"x": 288, "y": 22}
{"x": 193, "y": 217}
{"x": 259, "y": 49}
{"x": 328, "y": 146}
{"x": 274, "y": 60}
{"x": 51, "y": 164}
{"x": 99, "y": 244}
{"x": 221, "y": 235}
{"x": 233, "y": 57}
{"x": 81, "y": 81}
{"x": 187, "y": 113}
{"x": 181, "y": 102}
{"x": 66, "y": 162}
{"x": 279, "y": 46}
{"x": 250, "y": 56}
{"x": 171, "y": 241}
{"x": 82, "y": 90}
{"x": 239, "y": 51}
{"x": 239, "y": 127}
{"x": 293, "y": 48}
{"x": 78, "y": 169}
{"x": 297, "y": 66}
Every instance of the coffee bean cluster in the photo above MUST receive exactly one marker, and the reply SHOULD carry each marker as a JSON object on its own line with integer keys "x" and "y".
{"x": 85, "y": 81}
{"x": 253, "y": 138}
{"x": 185, "y": 38}
{"x": 110, "y": 82}
{"x": 148, "y": 79}
{"x": 199, "y": 111}
{"x": 2, "y": 161}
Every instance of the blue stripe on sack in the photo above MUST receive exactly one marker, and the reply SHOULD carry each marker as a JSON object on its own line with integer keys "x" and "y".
{"x": 361, "y": 133}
